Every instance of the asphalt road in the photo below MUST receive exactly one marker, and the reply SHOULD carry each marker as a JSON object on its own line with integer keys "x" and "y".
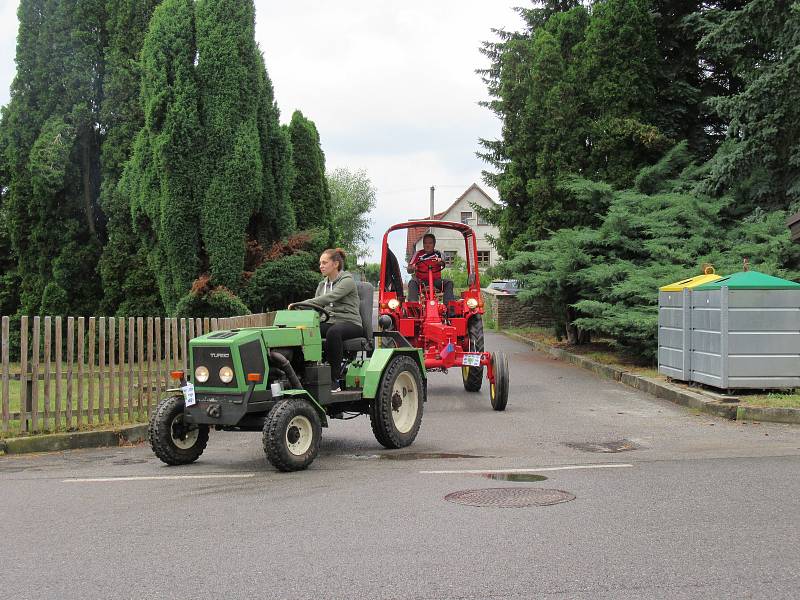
{"x": 686, "y": 506}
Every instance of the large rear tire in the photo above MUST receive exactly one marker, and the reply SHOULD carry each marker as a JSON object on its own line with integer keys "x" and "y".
{"x": 473, "y": 376}
{"x": 498, "y": 391}
{"x": 396, "y": 412}
{"x": 292, "y": 431}
{"x": 174, "y": 442}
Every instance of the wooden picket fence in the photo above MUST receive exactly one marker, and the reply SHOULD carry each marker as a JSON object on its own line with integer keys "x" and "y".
{"x": 104, "y": 370}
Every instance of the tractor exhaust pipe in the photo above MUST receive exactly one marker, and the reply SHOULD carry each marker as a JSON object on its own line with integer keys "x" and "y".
{"x": 282, "y": 363}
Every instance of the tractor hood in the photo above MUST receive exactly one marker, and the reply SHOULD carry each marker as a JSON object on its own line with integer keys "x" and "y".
{"x": 239, "y": 350}
{"x": 246, "y": 351}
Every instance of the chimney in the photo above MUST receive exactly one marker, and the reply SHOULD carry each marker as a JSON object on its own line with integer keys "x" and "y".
{"x": 432, "y": 212}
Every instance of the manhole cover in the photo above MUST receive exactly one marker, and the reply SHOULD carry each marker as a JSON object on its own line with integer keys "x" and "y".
{"x": 509, "y": 497}
{"x": 605, "y": 447}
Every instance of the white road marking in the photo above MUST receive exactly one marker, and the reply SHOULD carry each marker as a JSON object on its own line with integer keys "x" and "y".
{"x": 527, "y": 470}
{"x": 160, "y": 477}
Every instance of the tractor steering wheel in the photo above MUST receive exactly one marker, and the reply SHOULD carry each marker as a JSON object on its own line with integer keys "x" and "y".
{"x": 324, "y": 315}
{"x": 433, "y": 264}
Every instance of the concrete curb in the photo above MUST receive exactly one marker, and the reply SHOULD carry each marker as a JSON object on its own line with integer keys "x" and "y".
{"x": 674, "y": 393}
{"x": 119, "y": 436}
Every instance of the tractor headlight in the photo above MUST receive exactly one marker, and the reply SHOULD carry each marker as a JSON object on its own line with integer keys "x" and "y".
{"x": 472, "y": 303}
{"x": 201, "y": 374}
{"x": 226, "y": 374}
{"x": 393, "y": 304}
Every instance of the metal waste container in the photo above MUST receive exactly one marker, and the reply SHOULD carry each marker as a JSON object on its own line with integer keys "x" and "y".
{"x": 674, "y": 325}
{"x": 746, "y": 332}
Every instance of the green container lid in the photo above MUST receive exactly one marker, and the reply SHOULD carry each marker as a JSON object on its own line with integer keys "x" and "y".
{"x": 750, "y": 280}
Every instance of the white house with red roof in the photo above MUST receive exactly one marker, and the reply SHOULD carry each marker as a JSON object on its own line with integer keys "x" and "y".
{"x": 451, "y": 243}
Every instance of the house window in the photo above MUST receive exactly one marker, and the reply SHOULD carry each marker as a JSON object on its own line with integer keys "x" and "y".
{"x": 449, "y": 255}
{"x": 483, "y": 258}
{"x": 466, "y": 217}
{"x": 481, "y": 220}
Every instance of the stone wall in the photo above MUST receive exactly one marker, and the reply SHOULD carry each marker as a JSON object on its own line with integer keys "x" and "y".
{"x": 508, "y": 311}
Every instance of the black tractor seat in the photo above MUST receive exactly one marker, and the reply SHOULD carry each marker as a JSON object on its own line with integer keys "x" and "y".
{"x": 362, "y": 344}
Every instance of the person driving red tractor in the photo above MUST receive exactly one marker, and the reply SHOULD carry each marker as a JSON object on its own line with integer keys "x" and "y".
{"x": 424, "y": 260}
{"x": 450, "y": 342}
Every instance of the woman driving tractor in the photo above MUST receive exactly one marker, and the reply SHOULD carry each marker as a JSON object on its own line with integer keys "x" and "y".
{"x": 336, "y": 293}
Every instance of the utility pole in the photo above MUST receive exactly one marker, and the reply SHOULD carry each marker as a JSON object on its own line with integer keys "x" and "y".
{"x": 433, "y": 189}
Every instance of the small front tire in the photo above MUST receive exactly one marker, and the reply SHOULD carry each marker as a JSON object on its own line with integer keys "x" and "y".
{"x": 473, "y": 376}
{"x": 292, "y": 432}
{"x": 173, "y": 441}
{"x": 498, "y": 391}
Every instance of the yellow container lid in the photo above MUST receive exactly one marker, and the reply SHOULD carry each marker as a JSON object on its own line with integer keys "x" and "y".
{"x": 690, "y": 283}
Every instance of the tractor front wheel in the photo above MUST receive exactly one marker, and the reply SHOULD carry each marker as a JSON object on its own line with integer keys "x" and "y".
{"x": 396, "y": 412}
{"x": 498, "y": 390}
{"x": 473, "y": 376}
{"x": 292, "y": 431}
{"x": 172, "y": 440}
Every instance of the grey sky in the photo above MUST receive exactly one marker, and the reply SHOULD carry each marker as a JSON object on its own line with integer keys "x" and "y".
{"x": 390, "y": 85}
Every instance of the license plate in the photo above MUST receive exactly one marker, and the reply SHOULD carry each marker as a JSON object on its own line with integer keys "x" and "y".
{"x": 471, "y": 360}
{"x": 188, "y": 394}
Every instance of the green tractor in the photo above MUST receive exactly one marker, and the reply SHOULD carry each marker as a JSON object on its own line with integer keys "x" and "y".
{"x": 272, "y": 379}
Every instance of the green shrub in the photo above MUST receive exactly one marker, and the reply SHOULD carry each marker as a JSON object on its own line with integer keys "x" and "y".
{"x": 457, "y": 273}
{"x": 215, "y": 303}
{"x": 604, "y": 281}
{"x": 279, "y": 282}
{"x": 372, "y": 273}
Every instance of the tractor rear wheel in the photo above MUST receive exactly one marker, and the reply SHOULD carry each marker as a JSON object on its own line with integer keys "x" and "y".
{"x": 292, "y": 431}
{"x": 473, "y": 376}
{"x": 498, "y": 391}
{"x": 396, "y": 412}
{"x": 172, "y": 440}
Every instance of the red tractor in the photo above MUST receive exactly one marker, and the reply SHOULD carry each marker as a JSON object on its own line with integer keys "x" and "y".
{"x": 451, "y": 335}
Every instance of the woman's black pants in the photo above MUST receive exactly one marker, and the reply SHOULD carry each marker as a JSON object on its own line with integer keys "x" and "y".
{"x": 335, "y": 334}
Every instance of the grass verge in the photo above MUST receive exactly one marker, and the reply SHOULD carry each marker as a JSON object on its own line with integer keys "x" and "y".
{"x": 602, "y": 351}
{"x": 14, "y": 431}
{"x": 772, "y": 400}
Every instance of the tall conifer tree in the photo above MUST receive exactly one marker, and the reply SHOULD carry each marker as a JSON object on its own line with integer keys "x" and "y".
{"x": 539, "y": 100}
{"x": 53, "y": 146}
{"x": 129, "y": 285}
{"x": 576, "y": 93}
{"x": 158, "y": 181}
{"x": 310, "y": 194}
{"x": 275, "y": 218}
{"x": 621, "y": 68}
{"x": 9, "y": 281}
{"x": 679, "y": 96}
{"x": 760, "y": 160}
{"x": 228, "y": 73}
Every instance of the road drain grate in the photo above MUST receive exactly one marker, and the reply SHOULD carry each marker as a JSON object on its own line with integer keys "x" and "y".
{"x": 509, "y": 497}
{"x": 605, "y": 447}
